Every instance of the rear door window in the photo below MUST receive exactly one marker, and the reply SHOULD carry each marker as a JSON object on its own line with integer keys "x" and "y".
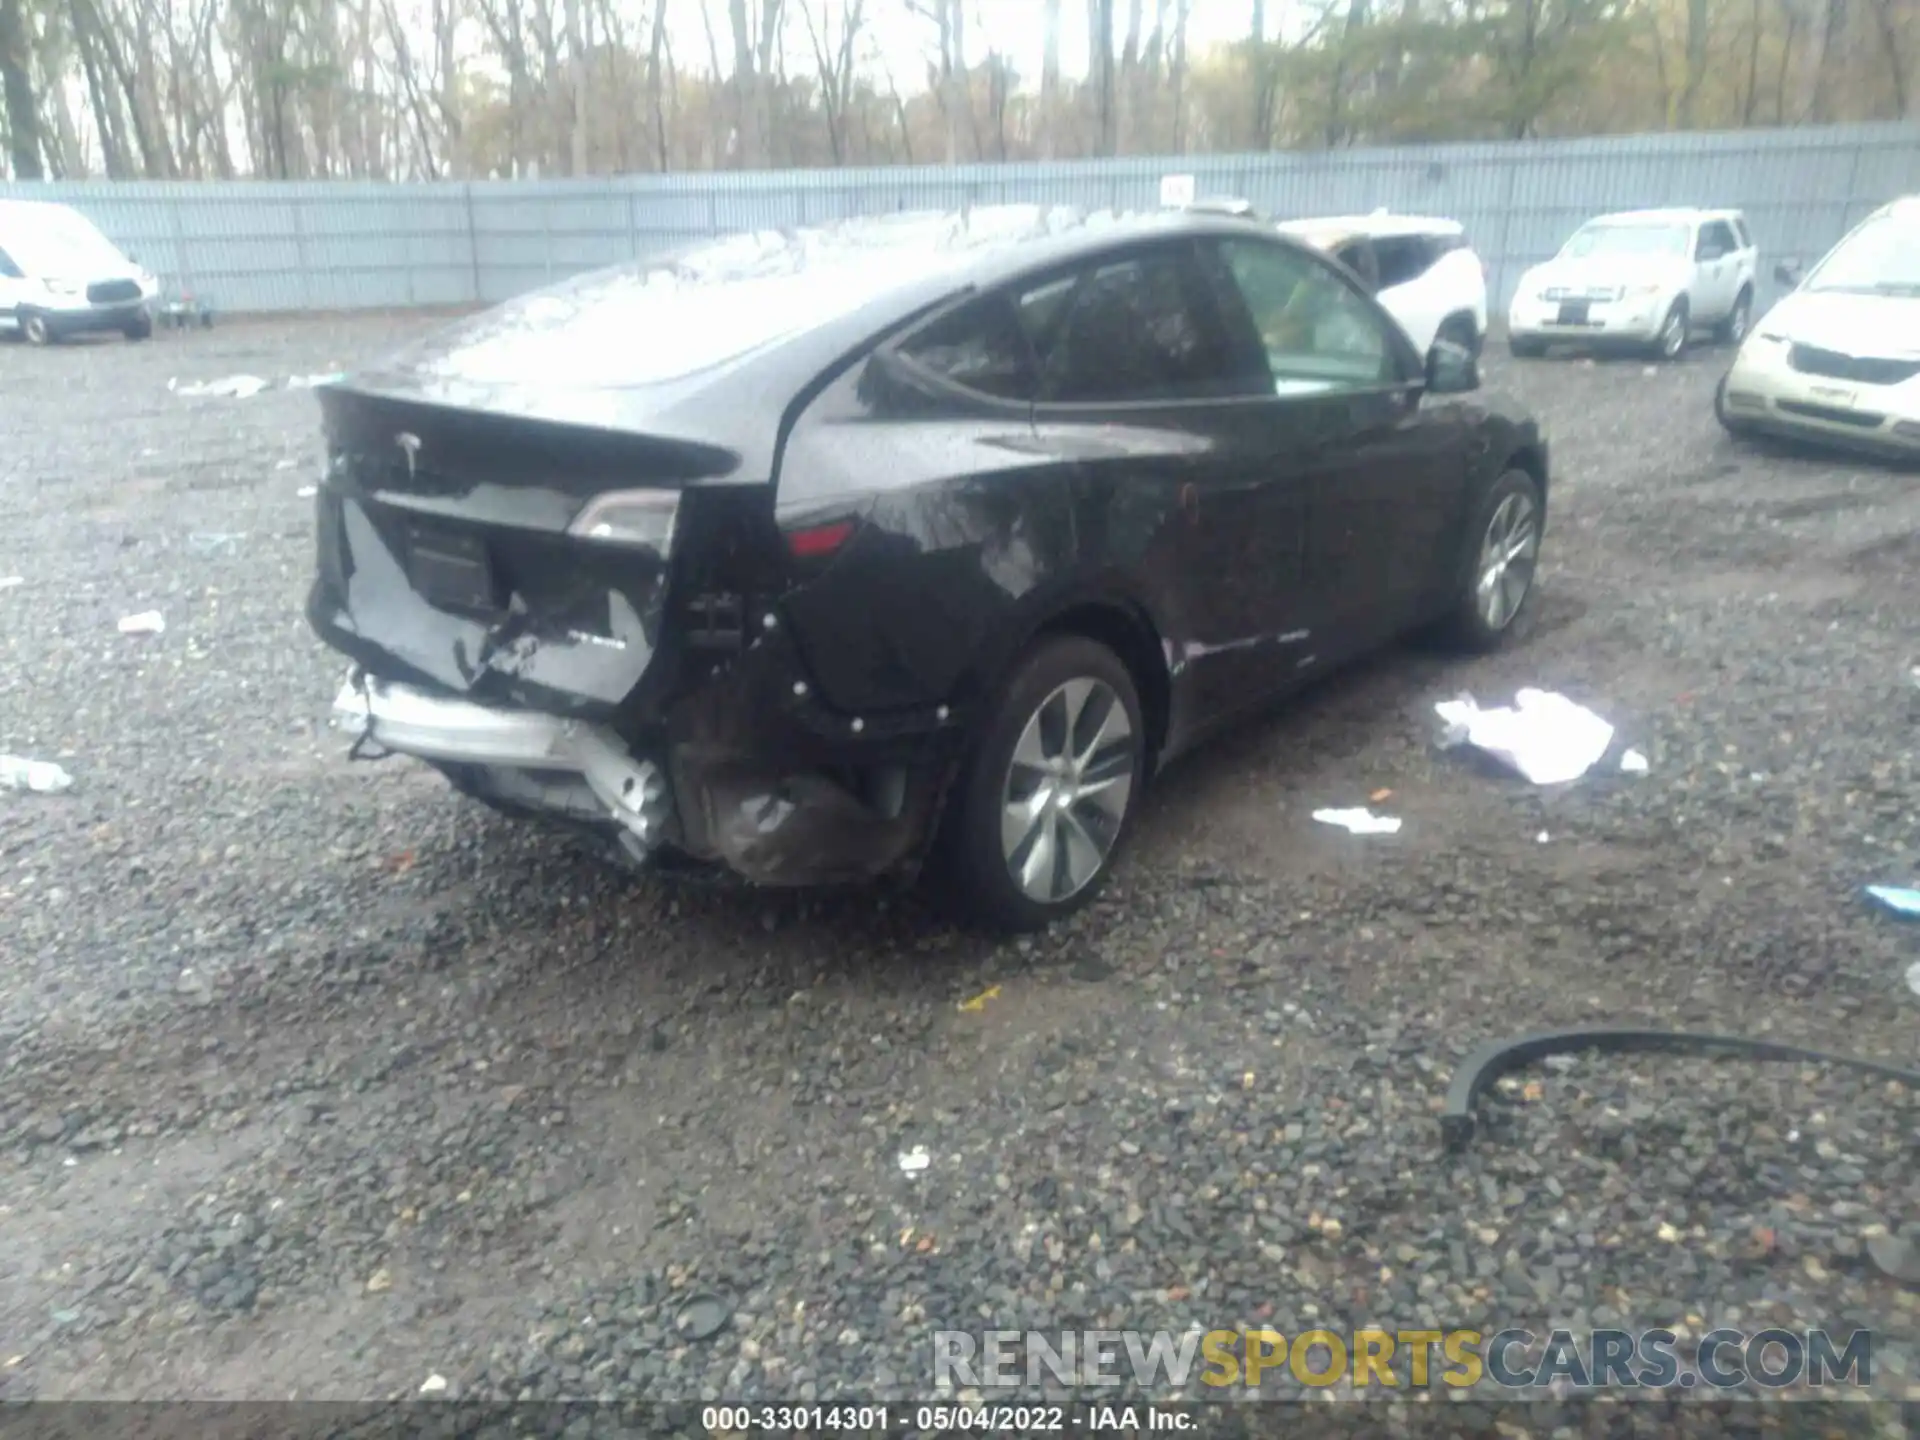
{"x": 8, "y": 269}
{"x": 1142, "y": 328}
{"x": 980, "y": 347}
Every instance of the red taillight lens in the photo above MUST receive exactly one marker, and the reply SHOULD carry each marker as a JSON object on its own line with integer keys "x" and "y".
{"x": 818, "y": 540}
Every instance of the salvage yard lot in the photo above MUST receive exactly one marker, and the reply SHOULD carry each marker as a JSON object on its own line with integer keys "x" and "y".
{"x": 316, "y": 1079}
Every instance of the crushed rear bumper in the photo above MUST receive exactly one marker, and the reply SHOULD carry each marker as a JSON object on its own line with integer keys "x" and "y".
{"x": 773, "y": 811}
{"x": 544, "y": 749}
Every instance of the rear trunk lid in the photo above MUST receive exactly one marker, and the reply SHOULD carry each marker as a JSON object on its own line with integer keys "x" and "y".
{"x": 445, "y": 555}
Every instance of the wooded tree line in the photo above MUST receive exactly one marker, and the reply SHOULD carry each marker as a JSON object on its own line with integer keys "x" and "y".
{"x": 427, "y": 89}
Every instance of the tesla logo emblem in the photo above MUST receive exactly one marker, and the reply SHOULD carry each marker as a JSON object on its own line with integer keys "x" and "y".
{"x": 410, "y": 447}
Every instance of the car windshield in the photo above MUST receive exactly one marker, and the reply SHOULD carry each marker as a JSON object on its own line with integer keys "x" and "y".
{"x": 1615, "y": 237}
{"x": 61, "y": 242}
{"x": 1882, "y": 257}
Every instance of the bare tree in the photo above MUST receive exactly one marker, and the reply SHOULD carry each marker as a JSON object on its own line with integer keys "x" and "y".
{"x": 16, "y": 78}
{"x": 1050, "y": 81}
{"x": 834, "y": 55}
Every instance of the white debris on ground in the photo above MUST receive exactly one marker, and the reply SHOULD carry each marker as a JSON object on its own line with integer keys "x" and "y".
{"x": 43, "y": 777}
{"x": 1544, "y": 736}
{"x": 1913, "y": 977}
{"x": 1897, "y": 898}
{"x": 1359, "y": 821}
{"x": 231, "y": 387}
{"x": 307, "y": 492}
{"x": 913, "y": 1161}
{"x": 434, "y": 1385}
{"x": 1634, "y": 763}
{"x": 7, "y": 582}
{"x": 308, "y": 382}
{"x": 147, "y": 622}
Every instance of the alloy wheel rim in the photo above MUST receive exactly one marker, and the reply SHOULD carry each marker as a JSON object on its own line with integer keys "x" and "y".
{"x": 1508, "y": 555}
{"x": 1674, "y": 338}
{"x": 1067, "y": 789}
{"x": 1737, "y": 327}
{"x": 36, "y": 330}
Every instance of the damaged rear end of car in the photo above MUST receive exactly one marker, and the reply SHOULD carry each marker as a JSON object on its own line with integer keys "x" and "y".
{"x": 553, "y": 551}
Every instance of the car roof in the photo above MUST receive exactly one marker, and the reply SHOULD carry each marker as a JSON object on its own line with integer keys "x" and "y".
{"x": 31, "y": 210}
{"x": 1906, "y": 207}
{"x": 688, "y": 342}
{"x": 1326, "y": 230}
{"x": 1669, "y": 215}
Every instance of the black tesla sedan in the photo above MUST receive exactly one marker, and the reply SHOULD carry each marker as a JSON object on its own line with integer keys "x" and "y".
{"x": 906, "y": 545}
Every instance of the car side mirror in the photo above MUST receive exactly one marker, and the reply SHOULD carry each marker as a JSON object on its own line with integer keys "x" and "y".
{"x": 1787, "y": 272}
{"x": 1452, "y": 369}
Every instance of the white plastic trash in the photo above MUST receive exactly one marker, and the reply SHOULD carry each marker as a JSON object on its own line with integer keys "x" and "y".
{"x": 43, "y": 777}
{"x": 147, "y": 622}
{"x": 1546, "y": 737}
{"x": 1359, "y": 821}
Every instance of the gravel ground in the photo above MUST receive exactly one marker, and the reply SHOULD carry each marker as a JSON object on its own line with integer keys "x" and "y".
{"x": 318, "y": 1080}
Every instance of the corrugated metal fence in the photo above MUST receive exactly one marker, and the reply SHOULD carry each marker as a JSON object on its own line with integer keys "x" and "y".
{"x": 248, "y": 246}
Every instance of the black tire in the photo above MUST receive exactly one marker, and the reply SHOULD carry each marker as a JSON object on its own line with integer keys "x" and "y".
{"x": 973, "y": 871}
{"x": 1467, "y": 624}
{"x": 1458, "y": 330}
{"x": 1679, "y": 321}
{"x": 1525, "y": 347}
{"x": 140, "y": 328}
{"x": 35, "y": 329}
{"x": 1733, "y": 329}
{"x": 1739, "y": 429}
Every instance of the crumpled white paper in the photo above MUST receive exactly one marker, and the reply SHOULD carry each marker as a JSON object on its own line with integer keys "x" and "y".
{"x": 1545, "y": 736}
{"x": 1360, "y": 821}
{"x": 147, "y": 622}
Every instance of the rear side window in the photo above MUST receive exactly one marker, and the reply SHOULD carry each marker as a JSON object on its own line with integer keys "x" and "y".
{"x": 1358, "y": 256}
{"x": 7, "y": 267}
{"x": 1405, "y": 258}
{"x": 979, "y": 346}
{"x": 1746, "y": 235}
{"x": 1139, "y": 329}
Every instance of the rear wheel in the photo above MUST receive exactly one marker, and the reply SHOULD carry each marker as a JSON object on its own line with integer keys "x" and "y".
{"x": 35, "y": 329}
{"x": 140, "y": 327}
{"x": 1497, "y": 583}
{"x": 1049, "y": 793}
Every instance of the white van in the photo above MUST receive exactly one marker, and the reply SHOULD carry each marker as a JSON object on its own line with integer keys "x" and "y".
{"x": 60, "y": 276}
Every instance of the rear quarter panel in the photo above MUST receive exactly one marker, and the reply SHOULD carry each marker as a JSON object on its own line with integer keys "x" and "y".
{"x": 972, "y": 534}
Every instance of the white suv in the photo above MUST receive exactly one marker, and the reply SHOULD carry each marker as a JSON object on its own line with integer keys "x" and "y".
{"x": 1420, "y": 269}
{"x": 1641, "y": 279}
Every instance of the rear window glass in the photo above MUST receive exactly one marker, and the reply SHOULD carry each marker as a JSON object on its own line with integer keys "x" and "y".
{"x": 1404, "y": 258}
